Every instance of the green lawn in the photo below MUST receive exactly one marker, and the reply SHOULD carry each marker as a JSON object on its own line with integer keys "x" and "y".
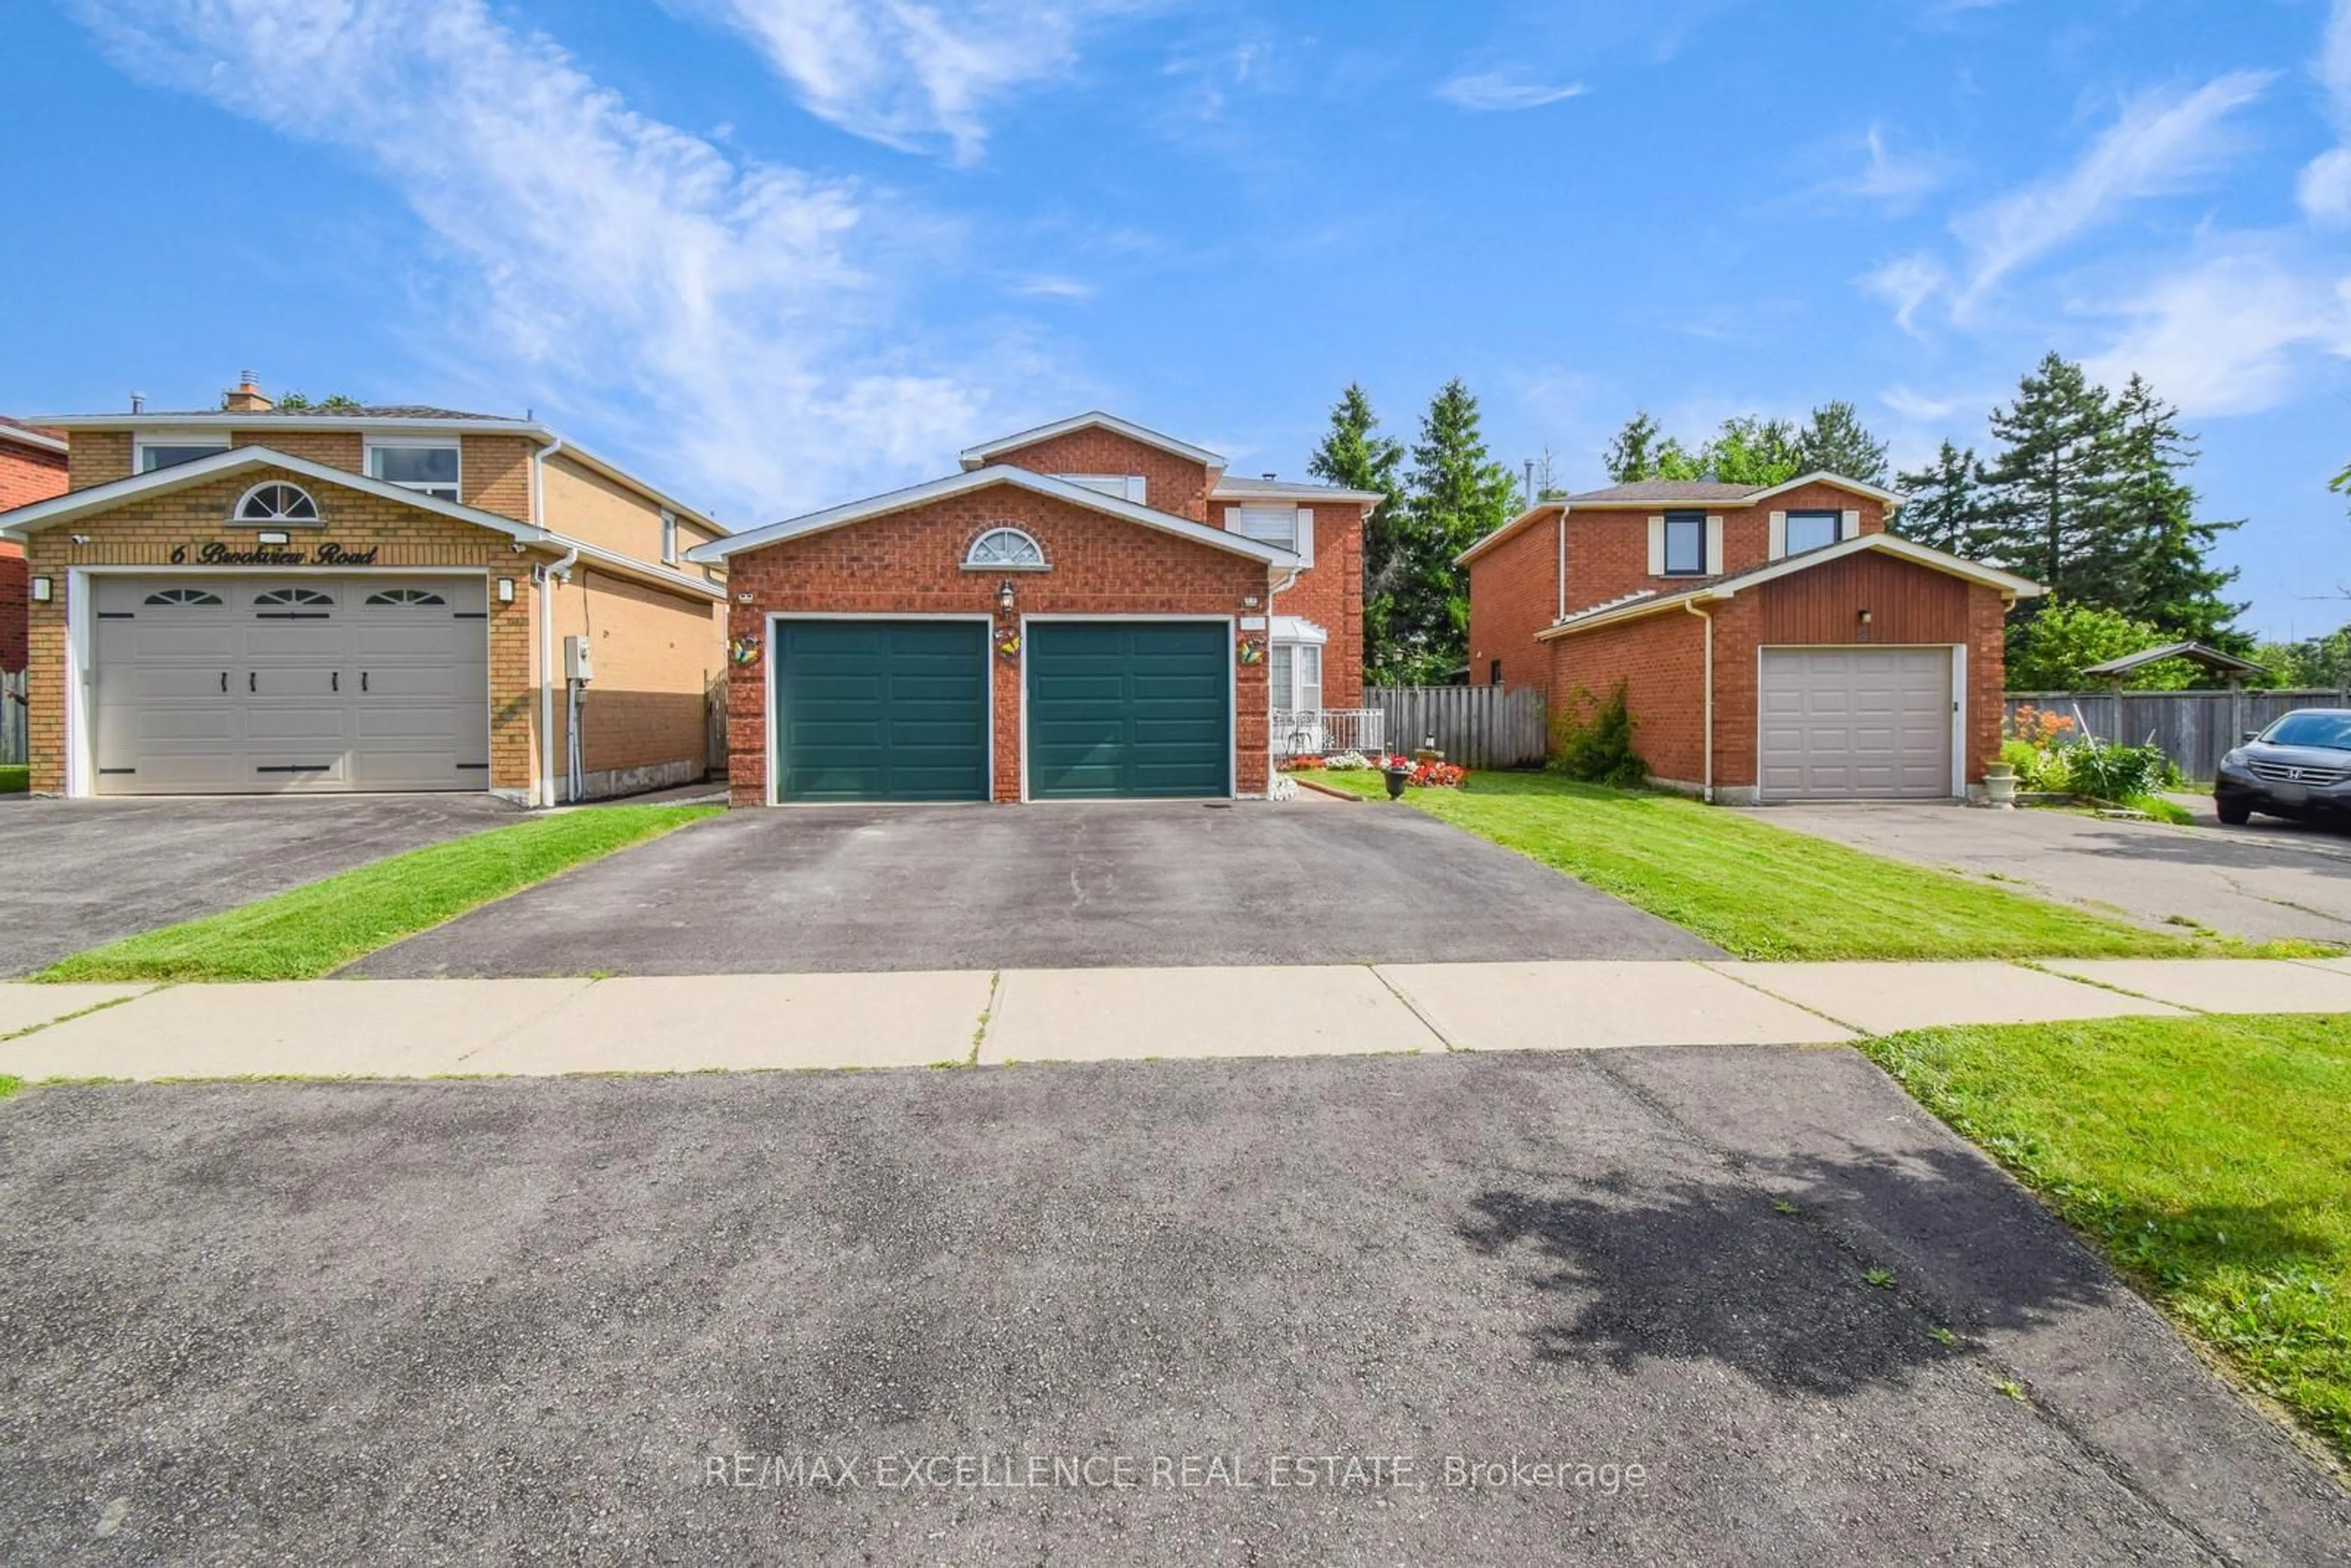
{"x": 307, "y": 932}
{"x": 1762, "y": 892}
{"x": 15, "y": 779}
{"x": 2210, "y": 1158}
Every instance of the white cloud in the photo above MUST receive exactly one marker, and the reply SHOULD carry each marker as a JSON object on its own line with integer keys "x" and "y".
{"x": 2164, "y": 142}
{"x": 1051, "y": 286}
{"x": 1494, "y": 91}
{"x": 2324, "y": 187}
{"x": 1907, "y": 283}
{"x": 2223, "y": 333}
{"x": 1897, "y": 180}
{"x": 1931, "y": 408}
{"x": 613, "y": 263}
{"x": 911, "y": 73}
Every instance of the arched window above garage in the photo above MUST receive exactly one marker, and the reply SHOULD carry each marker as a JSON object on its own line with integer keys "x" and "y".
{"x": 1005, "y": 549}
{"x": 278, "y": 597}
{"x": 186, "y": 598}
{"x": 277, "y": 502}
{"x": 411, "y": 598}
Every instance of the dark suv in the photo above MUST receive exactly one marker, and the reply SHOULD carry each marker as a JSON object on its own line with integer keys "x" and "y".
{"x": 2300, "y": 767}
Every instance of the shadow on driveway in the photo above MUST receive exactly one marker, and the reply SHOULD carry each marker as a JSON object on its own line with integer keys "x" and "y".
{"x": 798, "y": 891}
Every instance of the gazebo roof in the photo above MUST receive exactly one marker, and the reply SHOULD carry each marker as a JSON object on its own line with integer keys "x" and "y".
{"x": 2194, "y": 653}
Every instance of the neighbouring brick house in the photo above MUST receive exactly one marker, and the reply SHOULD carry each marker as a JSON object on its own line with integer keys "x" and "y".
{"x": 257, "y": 600}
{"x": 32, "y": 468}
{"x": 1088, "y": 609}
{"x": 1775, "y": 642}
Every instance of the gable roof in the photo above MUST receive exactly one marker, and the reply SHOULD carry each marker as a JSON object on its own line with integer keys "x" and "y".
{"x": 1649, "y": 601}
{"x": 395, "y": 416}
{"x": 2195, "y": 652}
{"x": 1232, "y": 489}
{"x": 1093, "y": 419}
{"x": 91, "y": 498}
{"x": 981, "y": 479}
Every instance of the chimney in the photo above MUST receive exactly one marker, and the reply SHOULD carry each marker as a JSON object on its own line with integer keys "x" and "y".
{"x": 247, "y": 398}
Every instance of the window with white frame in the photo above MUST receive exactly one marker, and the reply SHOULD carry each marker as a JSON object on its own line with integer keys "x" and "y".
{"x": 1294, "y": 671}
{"x": 277, "y": 502}
{"x": 1267, "y": 524}
{"x": 1004, "y": 550}
{"x": 426, "y": 464}
{"x": 1810, "y": 530}
{"x": 163, "y": 449}
{"x": 1120, "y": 487}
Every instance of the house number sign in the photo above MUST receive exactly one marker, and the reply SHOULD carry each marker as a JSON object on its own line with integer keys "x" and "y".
{"x": 212, "y": 552}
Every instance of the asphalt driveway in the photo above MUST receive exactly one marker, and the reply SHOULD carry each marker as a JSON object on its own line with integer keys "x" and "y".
{"x": 604, "y": 1318}
{"x": 2273, "y": 882}
{"x": 1041, "y": 886}
{"x": 74, "y": 873}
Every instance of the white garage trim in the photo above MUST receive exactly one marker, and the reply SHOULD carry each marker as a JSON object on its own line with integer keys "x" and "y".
{"x": 1232, "y": 695}
{"x": 774, "y": 745}
{"x": 1956, "y": 666}
{"x": 81, "y": 663}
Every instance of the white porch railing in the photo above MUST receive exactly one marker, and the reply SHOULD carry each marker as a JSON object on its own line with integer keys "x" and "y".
{"x": 1325, "y": 731}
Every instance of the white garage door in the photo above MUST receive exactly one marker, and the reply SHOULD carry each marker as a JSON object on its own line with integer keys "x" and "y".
{"x": 232, "y": 685}
{"x": 1856, "y": 724}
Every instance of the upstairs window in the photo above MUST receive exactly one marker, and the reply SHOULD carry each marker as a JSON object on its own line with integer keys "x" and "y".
{"x": 1005, "y": 549}
{"x": 166, "y": 449}
{"x": 1119, "y": 487}
{"x": 277, "y": 502}
{"x": 1267, "y": 524}
{"x": 1685, "y": 544}
{"x": 1810, "y": 530}
{"x": 426, "y": 464}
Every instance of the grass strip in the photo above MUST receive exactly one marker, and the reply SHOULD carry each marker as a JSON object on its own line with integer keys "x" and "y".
{"x": 15, "y": 779}
{"x": 2207, "y": 1158}
{"x": 307, "y": 930}
{"x": 1762, "y": 892}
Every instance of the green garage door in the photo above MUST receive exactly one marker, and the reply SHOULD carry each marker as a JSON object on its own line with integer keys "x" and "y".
{"x": 881, "y": 710}
{"x": 1129, "y": 709}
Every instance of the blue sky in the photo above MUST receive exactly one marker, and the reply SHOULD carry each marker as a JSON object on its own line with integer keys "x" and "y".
{"x": 782, "y": 253}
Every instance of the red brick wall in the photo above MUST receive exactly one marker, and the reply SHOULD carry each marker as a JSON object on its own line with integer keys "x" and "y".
{"x": 26, "y": 475}
{"x": 1331, "y": 594}
{"x": 1608, "y": 550}
{"x": 1660, "y": 659}
{"x": 1171, "y": 483}
{"x": 910, "y": 563}
{"x": 1513, "y": 594}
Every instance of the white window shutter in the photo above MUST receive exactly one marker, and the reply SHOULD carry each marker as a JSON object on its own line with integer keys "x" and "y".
{"x": 1306, "y": 536}
{"x": 1138, "y": 489}
{"x": 1658, "y": 547}
{"x": 1779, "y": 535}
{"x": 1232, "y": 519}
{"x": 1849, "y": 526}
{"x": 1713, "y": 546}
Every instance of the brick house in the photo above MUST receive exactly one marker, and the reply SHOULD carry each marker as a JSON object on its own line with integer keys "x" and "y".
{"x": 1775, "y": 642}
{"x": 32, "y": 468}
{"x": 1088, "y": 610}
{"x": 252, "y": 600}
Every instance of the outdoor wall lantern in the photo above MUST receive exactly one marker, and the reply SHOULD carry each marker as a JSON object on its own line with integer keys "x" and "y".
{"x": 1004, "y": 601}
{"x": 1865, "y": 617}
{"x": 41, "y": 590}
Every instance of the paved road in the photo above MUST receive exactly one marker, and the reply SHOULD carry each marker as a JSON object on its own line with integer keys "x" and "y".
{"x": 80, "y": 872}
{"x": 2274, "y": 880}
{"x": 803, "y": 891}
{"x": 492, "y": 1320}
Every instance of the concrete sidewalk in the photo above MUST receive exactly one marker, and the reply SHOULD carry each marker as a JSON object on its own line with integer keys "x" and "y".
{"x": 428, "y": 1029}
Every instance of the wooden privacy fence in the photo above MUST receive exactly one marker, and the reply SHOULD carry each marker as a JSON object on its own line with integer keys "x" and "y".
{"x": 1478, "y": 727}
{"x": 13, "y": 696}
{"x": 2194, "y": 729}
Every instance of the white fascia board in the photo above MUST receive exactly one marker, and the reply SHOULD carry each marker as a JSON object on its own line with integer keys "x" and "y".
{"x": 1823, "y": 476}
{"x": 211, "y": 418}
{"x": 1884, "y": 544}
{"x": 1093, "y": 419}
{"x": 614, "y": 561}
{"x": 33, "y": 438}
{"x": 1539, "y": 509}
{"x": 180, "y": 476}
{"x": 955, "y": 485}
{"x": 1302, "y": 494}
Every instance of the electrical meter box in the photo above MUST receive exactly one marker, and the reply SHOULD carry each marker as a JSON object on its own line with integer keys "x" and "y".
{"x": 579, "y": 664}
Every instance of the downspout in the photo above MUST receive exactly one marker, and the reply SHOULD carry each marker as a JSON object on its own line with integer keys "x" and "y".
{"x": 1272, "y": 587}
{"x": 1562, "y": 575}
{"x": 1705, "y": 792}
{"x": 546, "y": 573}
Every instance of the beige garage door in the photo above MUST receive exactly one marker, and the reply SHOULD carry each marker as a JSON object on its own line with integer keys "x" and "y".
{"x": 1845, "y": 723}
{"x": 232, "y": 685}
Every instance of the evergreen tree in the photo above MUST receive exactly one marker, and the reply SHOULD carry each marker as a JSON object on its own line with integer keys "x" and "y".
{"x": 2157, "y": 548}
{"x": 1459, "y": 496}
{"x": 1946, "y": 506}
{"x": 1836, "y": 442}
{"x": 1356, "y": 456}
{"x": 1632, "y": 454}
{"x": 2048, "y": 488}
